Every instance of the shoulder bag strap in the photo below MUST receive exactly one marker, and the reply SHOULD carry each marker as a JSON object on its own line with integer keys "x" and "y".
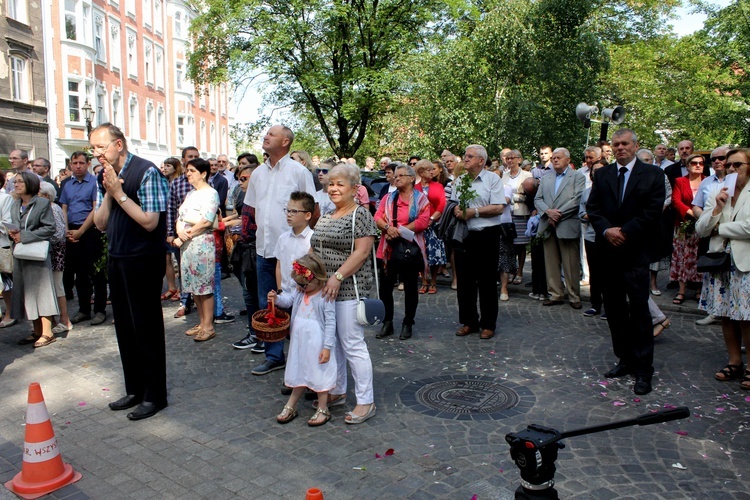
{"x": 374, "y": 268}
{"x": 26, "y": 222}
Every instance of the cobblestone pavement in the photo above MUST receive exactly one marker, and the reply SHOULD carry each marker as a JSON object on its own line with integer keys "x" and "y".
{"x": 218, "y": 437}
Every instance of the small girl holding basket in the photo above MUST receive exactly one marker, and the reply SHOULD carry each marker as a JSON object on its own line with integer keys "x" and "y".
{"x": 311, "y": 360}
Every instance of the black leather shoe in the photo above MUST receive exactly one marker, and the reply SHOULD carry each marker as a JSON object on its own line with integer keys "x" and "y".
{"x": 405, "y": 332}
{"x": 146, "y": 409}
{"x": 386, "y": 330}
{"x": 618, "y": 371}
{"x": 124, "y": 402}
{"x": 642, "y": 385}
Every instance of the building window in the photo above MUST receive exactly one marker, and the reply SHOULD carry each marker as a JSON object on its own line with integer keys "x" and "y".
{"x": 159, "y": 68}
{"x": 179, "y": 76}
{"x": 101, "y": 107}
{"x": 85, "y": 26}
{"x": 116, "y": 114}
{"x": 74, "y": 102}
{"x": 19, "y": 84}
{"x": 157, "y": 17}
{"x": 147, "y": 13}
{"x": 132, "y": 55}
{"x": 213, "y": 138}
{"x": 133, "y": 125}
{"x": 161, "y": 126}
{"x": 17, "y": 10}
{"x": 101, "y": 51}
{"x": 115, "y": 51}
{"x": 180, "y": 130}
{"x": 130, "y": 7}
{"x": 178, "y": 25}
{"x": 148, "y": 62}
{"x": 150, "y": 123}
{"x": 71, "y": 20}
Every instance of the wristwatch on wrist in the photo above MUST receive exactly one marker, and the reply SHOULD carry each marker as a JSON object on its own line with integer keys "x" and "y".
{"x": 122, "y": 199}
{"x": 476, "y": 213}
{"x": 386, "y": 227}
{"x": 339, "y": 276}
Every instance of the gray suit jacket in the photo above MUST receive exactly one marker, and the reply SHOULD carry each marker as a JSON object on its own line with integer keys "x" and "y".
{"x": 37, "y": 222}
{"x": 566, "y": 200}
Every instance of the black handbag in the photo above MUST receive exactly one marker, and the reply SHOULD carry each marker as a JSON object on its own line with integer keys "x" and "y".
{"x": 508, "y": 231}
{"x": 403, "y": 251}
{"x": 713, "y": 262}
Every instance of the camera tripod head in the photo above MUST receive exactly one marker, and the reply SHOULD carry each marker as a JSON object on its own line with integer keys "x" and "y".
{"x": 534, "y": 450}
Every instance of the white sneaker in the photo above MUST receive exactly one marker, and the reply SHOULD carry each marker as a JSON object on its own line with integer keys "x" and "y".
{"x": 534, "y": 296}
{"x": 708, "y": 320}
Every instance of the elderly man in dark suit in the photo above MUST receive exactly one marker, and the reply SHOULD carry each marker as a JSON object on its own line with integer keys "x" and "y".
{"x": 557, "y": 201}
{"x": 625, "y": 208}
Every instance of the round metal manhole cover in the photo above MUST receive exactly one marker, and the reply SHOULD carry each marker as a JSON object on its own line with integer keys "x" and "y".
{"x": 464, "y": 397}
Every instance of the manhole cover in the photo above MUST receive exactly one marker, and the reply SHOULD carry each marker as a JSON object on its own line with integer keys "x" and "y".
{"x": 464, "y": 397}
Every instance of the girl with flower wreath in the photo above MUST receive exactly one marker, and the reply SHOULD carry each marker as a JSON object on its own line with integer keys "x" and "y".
{"x": 311, "y": 360}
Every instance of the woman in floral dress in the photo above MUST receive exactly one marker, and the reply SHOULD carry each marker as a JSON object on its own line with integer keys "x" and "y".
{"x": 196, "y": 241}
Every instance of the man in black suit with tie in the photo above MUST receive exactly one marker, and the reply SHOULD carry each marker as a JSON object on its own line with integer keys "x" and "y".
{"x": 625, "y": 208}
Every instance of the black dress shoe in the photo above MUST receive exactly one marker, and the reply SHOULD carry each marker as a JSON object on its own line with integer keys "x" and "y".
{"x": 146, "y": 409}
{"x": 386, "y": 330}
{"x": 124, "y": 402}
{"x": 618, "y": 371}
{"x": 286, "y": 391}
{"x": 405, "y": 332}
{"x": 642, "y": 385}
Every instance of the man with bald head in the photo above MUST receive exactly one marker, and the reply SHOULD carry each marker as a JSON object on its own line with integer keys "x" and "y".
{"x": 557, "y": 201}
{"x": 267, "y": 194}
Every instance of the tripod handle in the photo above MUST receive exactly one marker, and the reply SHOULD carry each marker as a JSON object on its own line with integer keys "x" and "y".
{"x": 663, "y": 416}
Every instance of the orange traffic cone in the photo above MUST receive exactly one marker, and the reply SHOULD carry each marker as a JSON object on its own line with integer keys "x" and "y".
{"x": 314, "y": 494}
{"x": 43, "y": 470}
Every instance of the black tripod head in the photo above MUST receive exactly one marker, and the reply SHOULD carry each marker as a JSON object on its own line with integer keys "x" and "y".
{"x": 534, "y": 450}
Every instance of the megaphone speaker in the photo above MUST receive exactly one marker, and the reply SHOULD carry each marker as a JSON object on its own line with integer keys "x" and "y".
{"x": 584, "y": 111}
{"x": 614, "y": 115}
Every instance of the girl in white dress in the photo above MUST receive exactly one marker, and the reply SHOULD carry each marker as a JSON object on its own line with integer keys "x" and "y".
{"x": 310, "y": 362}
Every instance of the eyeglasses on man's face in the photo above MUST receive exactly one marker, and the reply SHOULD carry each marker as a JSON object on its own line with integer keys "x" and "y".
{"x": 294, "y": 211}
{"x": 398, "y": 176}
{"x": 718, "y": 158}
{"x": 103, "y": 149}
{"x": 321, "y": 170}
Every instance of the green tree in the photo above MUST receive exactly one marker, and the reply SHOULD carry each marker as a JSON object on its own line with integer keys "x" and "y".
{"x": 336, "y": 60}
{"x": 673, "y": 88}
{"x": 512, "y": 77}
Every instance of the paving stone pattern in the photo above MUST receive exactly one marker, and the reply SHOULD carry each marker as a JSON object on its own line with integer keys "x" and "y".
{"x": 218, "y": 438}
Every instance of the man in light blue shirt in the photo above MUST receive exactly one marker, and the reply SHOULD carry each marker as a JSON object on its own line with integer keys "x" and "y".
{"x": 479, "y": 254}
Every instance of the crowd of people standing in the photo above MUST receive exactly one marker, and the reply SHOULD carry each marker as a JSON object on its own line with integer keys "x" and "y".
{"x": 613, "y": 224}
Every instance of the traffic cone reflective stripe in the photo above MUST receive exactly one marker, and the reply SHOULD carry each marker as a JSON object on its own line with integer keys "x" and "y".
{"x": 43, "y": 470}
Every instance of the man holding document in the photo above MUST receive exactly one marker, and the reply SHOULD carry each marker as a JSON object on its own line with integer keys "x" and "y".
{"x": 482, "y": 192}
{"x": 402, "y": 218}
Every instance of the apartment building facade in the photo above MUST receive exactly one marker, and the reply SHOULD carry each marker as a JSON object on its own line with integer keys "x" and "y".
{"x": 126, "y": 60}
{"x": 23, "y": 103}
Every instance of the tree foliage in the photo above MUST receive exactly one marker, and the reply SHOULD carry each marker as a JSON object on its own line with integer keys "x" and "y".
{"x": 674, "y": 89}
{"x": 398, "y": 77}
{"x": 337, "y": 60}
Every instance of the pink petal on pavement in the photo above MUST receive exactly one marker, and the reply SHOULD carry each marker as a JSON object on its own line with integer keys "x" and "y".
{"x": 636, "y": 400}
{"x": 681, "y": 433}
{"x": 378, "y": 455}
{"x": 618, "y": 403}
{"x": 82, "y": 403}
{"x": 389, "y": 452}
{"x": 669, "y": 407}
